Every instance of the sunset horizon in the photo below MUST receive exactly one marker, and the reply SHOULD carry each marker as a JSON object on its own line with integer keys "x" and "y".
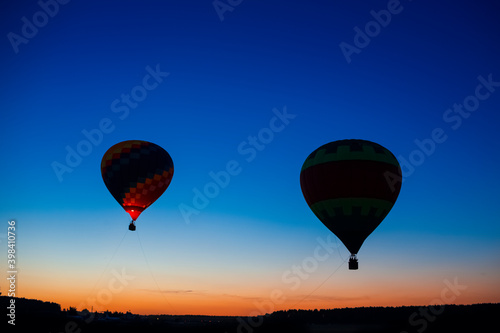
{"x": 320, "y": 280}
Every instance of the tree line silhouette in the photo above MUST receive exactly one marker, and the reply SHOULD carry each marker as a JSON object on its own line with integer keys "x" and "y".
{"x": 49, "y": 317}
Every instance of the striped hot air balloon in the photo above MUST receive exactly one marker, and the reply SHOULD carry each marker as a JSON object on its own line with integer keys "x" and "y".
{"x": 350, "y": 187}
{"x": 136, "y": 173}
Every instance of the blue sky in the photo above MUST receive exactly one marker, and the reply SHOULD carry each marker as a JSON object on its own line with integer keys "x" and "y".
{"x": 225, "y": 78}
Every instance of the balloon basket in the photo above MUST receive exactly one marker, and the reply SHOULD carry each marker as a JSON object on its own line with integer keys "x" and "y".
{"x": 131, "y": 226}
{"x": 353, "y": 262}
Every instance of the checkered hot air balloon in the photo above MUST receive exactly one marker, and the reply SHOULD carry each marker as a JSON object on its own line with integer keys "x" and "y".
{"x": 136, "y": 174}
{"x": 351, "y": 185}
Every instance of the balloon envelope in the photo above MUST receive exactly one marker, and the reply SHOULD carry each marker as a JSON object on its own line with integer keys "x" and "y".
{"x": 136, "y": 173}
{"x": 351, "y": 185}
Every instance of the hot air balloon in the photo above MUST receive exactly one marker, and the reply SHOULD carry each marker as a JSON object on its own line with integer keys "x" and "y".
{"x": 351, "y": 185}
{"x": 136, "y": 173}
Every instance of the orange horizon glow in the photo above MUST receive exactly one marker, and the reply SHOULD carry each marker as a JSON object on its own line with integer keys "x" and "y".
{"x": 208, "y": 308}
{"x": 205, "y": 303}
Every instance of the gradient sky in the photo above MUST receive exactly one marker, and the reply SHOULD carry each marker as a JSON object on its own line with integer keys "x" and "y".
{"x": 254, "y": 248}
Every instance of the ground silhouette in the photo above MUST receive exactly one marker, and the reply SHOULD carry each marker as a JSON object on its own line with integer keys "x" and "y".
{"x": 43, "y": 317}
